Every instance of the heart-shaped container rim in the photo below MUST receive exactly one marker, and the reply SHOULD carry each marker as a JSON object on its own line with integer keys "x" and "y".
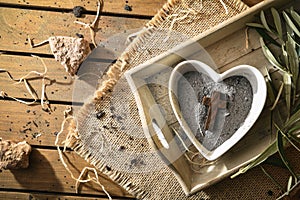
{"x": 259, "y": 89}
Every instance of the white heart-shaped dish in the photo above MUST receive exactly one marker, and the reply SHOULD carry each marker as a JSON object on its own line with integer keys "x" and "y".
{"x": 259, "y": 90}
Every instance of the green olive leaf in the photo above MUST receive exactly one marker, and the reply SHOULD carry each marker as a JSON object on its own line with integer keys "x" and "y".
{"x": 294, "y": 133}
{"x": 287, "y": 90}
{"x": 270, "y": 89}
{"x": 293, "y": 120}
{"x": 290, "y": 23}
{"x": 277, "y": 22}
{"x": 271, "y": 58}
{"x": 263, "y": 33}
{"x": 293, "y": 60}
{"x": 296, "y": 17}
{"x": 264, "y": 21}
{"x": 255, "y": 25}
{"x": 290, "y": 182}
{"x": 281, "y": 142}
{"x": 261, "y": 158}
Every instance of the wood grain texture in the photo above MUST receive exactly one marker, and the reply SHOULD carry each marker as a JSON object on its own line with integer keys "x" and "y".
{"x": 18, "y": 24}
{"x": 46, "y": 173}
{"x": 47, "y": 178}
{"x": 233, "y": 47}
{"x": 6, "y": 195}
{"x": 252, "y": 2}
{"x": 144, "y": 8}
{"x": 63, "y": 87}
{"x": 223, "y": 53}
{"x": 22, "y": 122}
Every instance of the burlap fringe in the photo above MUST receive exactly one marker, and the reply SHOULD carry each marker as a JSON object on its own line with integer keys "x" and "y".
{"x": 73, "y": 142}
{"x": 117, "y": 69}
{"x": 109, "y": 80}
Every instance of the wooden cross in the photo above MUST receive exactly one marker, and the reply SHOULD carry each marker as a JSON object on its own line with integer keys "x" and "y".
{"x": 216, "y": 102}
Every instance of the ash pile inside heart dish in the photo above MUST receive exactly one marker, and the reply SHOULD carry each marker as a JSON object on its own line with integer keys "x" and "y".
{"x": 214, "y": 111}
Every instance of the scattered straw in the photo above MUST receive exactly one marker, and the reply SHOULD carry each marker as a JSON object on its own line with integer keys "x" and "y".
{"x": 36, "y": 45}
{"x": 30, "y": 89}
{"x": 191, "y": 156}
{"x": 95, "y": 179}
{"x": 185, "y": 14}
{"x": 224, "y": 6}
{"x": 68, "y": 111}
{"x": 92, "y": 26}
{"x": 85, "y": 170}
{"x": 5, "y": 95}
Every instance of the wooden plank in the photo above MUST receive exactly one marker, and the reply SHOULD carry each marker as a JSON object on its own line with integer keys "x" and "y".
{"x": 223, "y": 53}
{"x": 252, "y": 2}
{"x": 61, "y": 89}
{"x": 22, "y": 122}
{"x": 46, "y": 173}
{"x": 5, "y": 195}
{"x": 233, "y": 47}
{"x": 144, "y": 8}
{"x": 259, "y": 62}
{"x": 18, "y": 24}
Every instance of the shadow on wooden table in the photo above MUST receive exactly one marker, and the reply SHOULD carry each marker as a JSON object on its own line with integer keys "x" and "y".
{"x": 40, "y": 174}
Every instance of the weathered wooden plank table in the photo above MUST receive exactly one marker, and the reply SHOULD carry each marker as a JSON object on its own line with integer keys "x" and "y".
{"x": 46, "y": 178}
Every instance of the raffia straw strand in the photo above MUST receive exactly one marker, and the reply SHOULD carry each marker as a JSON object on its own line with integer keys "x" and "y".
{"x": 60, "y": 153}
{"x": 36, "y": 45}
{"x": 5, "y": 95}
{"x": 202, "y": 164}
{"x": 186, "y": 13}
{"x": 30, "y": 90}
{"x": 91, "y": 179}
{"x": 43, "y": 94}
{"x": 92, "y": 25}
{"x": 181, "y": 140}
{"x": 40, "y": 74}
{"x": 224, "y": 6}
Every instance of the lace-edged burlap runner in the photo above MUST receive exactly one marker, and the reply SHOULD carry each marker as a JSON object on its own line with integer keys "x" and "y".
{"x": 114, "y": 141}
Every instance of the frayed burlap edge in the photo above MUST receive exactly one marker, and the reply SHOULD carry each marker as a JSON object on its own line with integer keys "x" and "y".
{"x": 106, "y": 85}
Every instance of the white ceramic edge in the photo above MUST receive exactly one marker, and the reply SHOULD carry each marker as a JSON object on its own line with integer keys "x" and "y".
{"x": 174, "y": 77}
{"x": 259, "y": 98}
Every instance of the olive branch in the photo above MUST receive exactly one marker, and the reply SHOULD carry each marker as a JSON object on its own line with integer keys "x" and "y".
{"x": 280, "y": 42}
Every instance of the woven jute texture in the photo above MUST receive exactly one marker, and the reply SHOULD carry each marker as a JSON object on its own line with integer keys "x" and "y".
{"x": 115, "y": 143}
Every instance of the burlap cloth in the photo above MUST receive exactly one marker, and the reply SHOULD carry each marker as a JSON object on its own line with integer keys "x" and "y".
{"x": 114, "y": 141}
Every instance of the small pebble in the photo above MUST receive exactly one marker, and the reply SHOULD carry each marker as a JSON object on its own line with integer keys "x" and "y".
{"x": 78, "y": 11}
{"x": 127, "y": 7}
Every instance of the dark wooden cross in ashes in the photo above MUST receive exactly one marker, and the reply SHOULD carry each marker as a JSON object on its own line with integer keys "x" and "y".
{"x": 216, "y": 102}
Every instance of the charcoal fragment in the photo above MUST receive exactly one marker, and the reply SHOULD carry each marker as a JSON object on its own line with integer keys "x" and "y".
{"x": 78, "y": 11}
{"x": 100, "y": 114}
{"x": 127, "y": 7}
